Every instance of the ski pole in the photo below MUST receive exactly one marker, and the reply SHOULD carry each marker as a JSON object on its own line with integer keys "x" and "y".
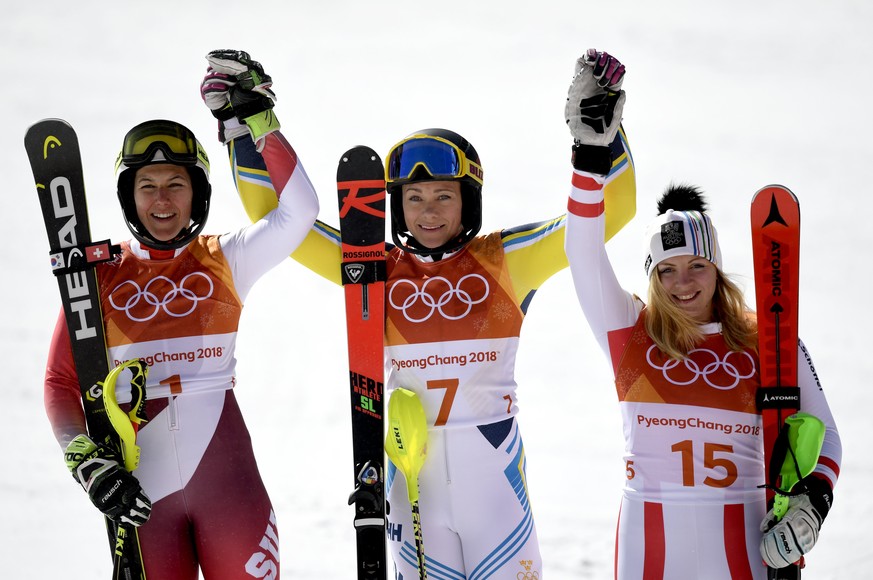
{"x": 406, "y": 447}
{"x": 126, "y": 425}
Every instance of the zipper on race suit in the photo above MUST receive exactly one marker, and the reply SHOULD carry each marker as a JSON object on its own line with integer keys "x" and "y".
{"x": 445, "y": 434}
{"x": 172, "y": 414}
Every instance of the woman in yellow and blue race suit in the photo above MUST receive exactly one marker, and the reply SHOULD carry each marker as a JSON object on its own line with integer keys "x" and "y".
{"x": 455, "y": 303}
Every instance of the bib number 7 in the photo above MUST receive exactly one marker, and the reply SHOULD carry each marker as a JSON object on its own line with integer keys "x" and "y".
{"x": 451, "y": 387}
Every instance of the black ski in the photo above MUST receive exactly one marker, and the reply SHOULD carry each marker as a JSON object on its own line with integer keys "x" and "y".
{"x": 53, "y": 150}
{"x": 361, "y": 194}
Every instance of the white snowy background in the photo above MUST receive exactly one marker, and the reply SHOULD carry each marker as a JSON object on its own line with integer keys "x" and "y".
{"x": 728, "y": 95}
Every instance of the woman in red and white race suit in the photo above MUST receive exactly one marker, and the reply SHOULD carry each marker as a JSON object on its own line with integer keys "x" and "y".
{"x": 174, "y": 298}
{"x": 686, "y": 373}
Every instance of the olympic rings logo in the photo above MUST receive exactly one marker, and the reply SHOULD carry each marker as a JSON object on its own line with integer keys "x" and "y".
{"x": 708, "y": 370}
{"x": 150, "y": 299}
{"x": 437, "y": 294}
{"x": 527, "y": 573}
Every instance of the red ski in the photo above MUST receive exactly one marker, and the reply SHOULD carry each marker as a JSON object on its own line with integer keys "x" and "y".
{"x": 775, "y": 219}
{"x": 361, "y": 196}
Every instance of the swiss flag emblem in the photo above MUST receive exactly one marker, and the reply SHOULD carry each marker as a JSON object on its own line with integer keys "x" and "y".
{"x": 97, "y": 253}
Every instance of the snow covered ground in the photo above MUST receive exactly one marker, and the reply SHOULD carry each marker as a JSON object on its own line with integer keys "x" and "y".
{"x": 728, "y": 95}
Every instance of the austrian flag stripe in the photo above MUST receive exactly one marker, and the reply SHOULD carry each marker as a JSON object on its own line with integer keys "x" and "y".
{"x": 585, "y": 182}
{"x": 588, "y": 187}
{"x": 587, "y": 210}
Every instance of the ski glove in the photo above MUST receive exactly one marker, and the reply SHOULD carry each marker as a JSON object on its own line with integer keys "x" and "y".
{"x": 789, "y": 538}
{"x": 593, "y": 111}
{"x": 239, "y": 93}
{"x": 110, "y": 487}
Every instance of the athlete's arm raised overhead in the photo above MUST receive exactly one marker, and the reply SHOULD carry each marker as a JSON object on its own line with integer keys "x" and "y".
{"x": 535, "y": 251}
{"x": 320, "y": 249}
{"x": 593, "y": 112}
{"x": 607, "y": 306}
{"x": 255, "y": 249}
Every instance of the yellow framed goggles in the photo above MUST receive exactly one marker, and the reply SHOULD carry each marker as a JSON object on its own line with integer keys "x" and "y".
{"x": 175, "y": 141}
{"x": 439, "y": 157}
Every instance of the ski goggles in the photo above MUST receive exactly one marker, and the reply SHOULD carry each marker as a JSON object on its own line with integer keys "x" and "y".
{"x": 176, "y": 142}
{"x": 439, "y": 157}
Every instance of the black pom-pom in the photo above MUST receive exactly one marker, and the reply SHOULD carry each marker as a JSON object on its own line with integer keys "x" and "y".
{"x": 682, "y": 197}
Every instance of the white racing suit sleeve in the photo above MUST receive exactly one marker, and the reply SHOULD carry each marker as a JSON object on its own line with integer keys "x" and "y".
{"x": 607, "y": 306}
{"x": 257, "y": 248}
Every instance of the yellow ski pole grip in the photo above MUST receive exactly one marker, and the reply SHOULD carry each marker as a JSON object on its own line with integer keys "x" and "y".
{"x": 406, "y": 440}
{"x": 123, "y": 423}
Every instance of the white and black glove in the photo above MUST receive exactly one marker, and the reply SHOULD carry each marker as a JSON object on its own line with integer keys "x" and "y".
{"x": 593, "y": 111}
{"x": 111, "y": 488}
{"x": 794, "y": 535}
{"x": 239, "y": 93}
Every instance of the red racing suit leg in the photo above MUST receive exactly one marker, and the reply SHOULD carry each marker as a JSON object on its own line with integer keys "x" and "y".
{"x": 220, "y": 519}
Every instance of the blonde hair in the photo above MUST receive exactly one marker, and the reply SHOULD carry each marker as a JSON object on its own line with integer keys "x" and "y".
{"x": 676, "y": 333}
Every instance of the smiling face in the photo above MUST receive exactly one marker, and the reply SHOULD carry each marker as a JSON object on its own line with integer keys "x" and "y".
{"x": 690, "y": 283}
{"x": 432, "y": 211}
{"x": 163, "y": 195}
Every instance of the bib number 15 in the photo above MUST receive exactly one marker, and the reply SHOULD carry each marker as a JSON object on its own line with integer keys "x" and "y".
{"x": 713, "y": 458}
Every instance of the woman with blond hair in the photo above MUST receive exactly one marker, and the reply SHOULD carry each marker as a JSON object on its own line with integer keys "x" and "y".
{"x": 686, "y": 373}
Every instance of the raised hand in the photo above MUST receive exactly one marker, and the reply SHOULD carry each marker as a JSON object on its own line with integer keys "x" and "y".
{"x": 595, "y": 100}
{"x": 239, "y": 93}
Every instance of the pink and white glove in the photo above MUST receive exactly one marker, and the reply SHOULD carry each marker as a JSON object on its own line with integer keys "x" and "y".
{"x": 239, "y": 93}
{"x": 215, "y": 91}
